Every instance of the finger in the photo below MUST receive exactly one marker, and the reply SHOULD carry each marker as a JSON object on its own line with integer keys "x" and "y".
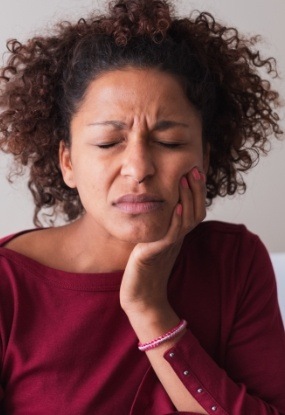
{"x": 197, "y": 181}
{"x": 145, "y": 251}
{"x": 174, "y": 230}
{"x": 187, "y": 201}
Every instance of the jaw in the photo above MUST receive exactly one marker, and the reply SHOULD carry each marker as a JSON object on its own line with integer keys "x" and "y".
{"x": 141, "y": 231}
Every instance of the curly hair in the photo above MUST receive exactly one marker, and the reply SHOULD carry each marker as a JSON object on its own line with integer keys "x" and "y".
{"x": 45, "y": 80}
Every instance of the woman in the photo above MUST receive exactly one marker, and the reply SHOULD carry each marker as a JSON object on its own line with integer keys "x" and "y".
{"x": 128, "y": 123}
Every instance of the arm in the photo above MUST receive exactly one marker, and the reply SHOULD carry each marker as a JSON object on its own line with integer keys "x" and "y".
{"x": 206, "y": 388}
{"x": 143, "y": 292}
{"x": 254, "y": 380}
{"x": 149, "y": 328}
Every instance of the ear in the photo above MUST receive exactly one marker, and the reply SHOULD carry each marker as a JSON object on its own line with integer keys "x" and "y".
{"x": 206, "y": 158}
{"x": 66, "y": 165}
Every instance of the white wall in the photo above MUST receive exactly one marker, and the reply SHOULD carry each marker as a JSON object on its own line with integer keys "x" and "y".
{"x": 262, "y": 208}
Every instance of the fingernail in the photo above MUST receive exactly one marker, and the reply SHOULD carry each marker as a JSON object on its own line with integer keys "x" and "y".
{"x": 196, "y": 174}
{"x": 179, "y": 209}
{"x": 184, "y": 182}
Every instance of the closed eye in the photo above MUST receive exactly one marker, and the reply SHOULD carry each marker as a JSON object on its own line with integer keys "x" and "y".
{"x": 160, "y": 143}
{"x": 169, "y": 145}
{"x": 107, "y": 145}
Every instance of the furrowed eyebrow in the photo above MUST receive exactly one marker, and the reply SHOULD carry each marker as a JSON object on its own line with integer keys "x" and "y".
{"x": 159, "y": 126}
{"x": 117, "y": 124}
{"x": 166, "y": 125}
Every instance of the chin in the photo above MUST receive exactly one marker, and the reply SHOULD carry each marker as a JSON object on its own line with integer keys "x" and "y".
{"x": 142, "y": 234}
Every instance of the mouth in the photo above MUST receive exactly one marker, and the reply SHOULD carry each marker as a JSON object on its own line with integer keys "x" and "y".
{"x": 135, "y": 204}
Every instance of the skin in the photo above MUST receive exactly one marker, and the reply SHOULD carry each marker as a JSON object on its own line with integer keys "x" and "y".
{"x": 135, "y": 132}
{"x": 132, "y": 98}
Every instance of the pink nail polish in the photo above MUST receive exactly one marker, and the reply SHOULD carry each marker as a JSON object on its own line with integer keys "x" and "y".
{"x": 196, "y": 174}
{"x": 184, "y": 182}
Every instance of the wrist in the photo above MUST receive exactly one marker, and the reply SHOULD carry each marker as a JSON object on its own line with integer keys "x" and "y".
{"x": 174, "y": 333}
{"x": 153, "y": 323}
{"x": 148, "y": 305}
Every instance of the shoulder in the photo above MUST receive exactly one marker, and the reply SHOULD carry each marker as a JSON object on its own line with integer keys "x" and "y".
{"x": 38, "y": 244}
{"x": 229, "y": 258}
{"x": 25, "y": 242}
{"x": 228, "y": 247}
{"x": 216, "y": 227}
{"x": 13, "y": 239}
{"x": 12, "y": 267}
{"x": 220, "y": 235}
{"x": 14, "y": 249}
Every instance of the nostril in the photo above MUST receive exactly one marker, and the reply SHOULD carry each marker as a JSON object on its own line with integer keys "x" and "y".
{"x": 139, "y": 181}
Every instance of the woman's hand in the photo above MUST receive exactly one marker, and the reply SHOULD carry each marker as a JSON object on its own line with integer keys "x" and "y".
{"x": 144, "y": 284}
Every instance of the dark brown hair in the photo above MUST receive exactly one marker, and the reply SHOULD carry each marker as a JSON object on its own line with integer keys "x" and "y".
{"x": 45, "y": 79}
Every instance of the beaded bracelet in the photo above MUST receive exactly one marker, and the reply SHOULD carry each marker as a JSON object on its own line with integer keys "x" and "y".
{"x": 161, "y": 339}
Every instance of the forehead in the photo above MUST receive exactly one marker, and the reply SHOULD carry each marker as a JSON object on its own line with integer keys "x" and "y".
{"x": 136, "y": 91}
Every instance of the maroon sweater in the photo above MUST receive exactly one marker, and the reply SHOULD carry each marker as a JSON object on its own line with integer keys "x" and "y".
{"x": 67, "y": 348}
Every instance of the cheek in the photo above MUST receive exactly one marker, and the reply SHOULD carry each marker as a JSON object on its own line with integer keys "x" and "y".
{"x": 85, "y": 169}
{"x": 183, "y": 166}
{"x": 88, "y": 180}
{"x": 92, "y": 197}
{"x": 194, "y": 158}
{"x": 180, "y": 168}
{"x": 171, "y": 179}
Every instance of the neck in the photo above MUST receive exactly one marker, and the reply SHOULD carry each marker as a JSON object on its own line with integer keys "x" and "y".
{"x": 93, "y": 249}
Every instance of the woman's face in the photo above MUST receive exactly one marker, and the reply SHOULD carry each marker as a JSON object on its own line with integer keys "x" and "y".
{"x": 133, "y": 137}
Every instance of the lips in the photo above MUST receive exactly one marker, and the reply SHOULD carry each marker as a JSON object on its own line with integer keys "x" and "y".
{"x": 135, "y": 204}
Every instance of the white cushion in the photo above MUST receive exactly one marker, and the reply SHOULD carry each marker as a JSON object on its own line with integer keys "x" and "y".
{"x": 278, "y": 261}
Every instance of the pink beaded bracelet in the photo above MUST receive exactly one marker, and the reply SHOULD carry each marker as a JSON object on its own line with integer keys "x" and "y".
{"x": 161, "y": 339}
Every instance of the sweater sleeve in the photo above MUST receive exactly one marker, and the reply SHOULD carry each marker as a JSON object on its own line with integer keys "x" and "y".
{"x": 253, "y": 379}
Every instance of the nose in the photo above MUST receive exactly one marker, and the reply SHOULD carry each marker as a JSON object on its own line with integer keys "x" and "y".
{"x": 138, "y": 161}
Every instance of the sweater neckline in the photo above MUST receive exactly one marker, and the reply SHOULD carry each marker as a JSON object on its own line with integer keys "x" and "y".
{"x": 106, "y": 281}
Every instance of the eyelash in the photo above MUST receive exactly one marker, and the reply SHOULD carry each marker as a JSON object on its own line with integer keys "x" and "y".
{"x": 106, "y": 146}
{"x": 161, "y": 143}
{"x": 169, "y": 145}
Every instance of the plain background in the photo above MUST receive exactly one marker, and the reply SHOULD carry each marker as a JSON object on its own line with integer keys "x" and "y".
{"x": 262, "y": 208}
